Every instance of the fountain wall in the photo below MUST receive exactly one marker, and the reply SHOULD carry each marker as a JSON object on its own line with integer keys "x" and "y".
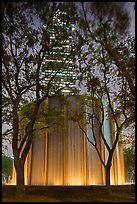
{"x": 62, "y": 155}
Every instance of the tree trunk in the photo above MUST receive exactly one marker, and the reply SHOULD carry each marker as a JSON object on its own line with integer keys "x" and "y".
{"x": 19, "y": 166}
{"x": 107, "y": 169}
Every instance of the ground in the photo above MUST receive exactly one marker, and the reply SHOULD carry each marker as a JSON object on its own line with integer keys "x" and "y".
{"x": 122, "y": 193}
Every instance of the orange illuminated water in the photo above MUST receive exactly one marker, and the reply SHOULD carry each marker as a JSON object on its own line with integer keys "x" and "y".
{"x": 63, "y": 156}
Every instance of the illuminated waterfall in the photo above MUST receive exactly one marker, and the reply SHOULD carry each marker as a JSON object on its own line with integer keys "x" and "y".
{"x": 75, "y": 149}
{"x": 63, "y": 156}
{"x": 95, "y": 173}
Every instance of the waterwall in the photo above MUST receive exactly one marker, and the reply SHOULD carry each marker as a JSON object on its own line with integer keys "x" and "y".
{"x": 62, "y": 155}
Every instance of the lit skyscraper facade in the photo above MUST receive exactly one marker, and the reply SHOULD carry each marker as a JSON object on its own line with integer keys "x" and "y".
{"x": 58, "y": 63}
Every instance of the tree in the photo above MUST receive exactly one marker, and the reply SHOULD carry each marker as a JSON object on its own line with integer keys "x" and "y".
{"x": 26, "y": 42}
{"x": 106, "y": 63}
{"x": 103, "y": 24}
{"x": 6, "y": 165}
{"x": 129, "y": 156}
{"x": 101, "y": 105}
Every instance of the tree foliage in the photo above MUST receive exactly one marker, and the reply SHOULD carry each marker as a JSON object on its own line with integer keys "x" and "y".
{"x": 129, "y": 157}
{"x": 7, "y": 164}
{"x": 104, "y": 26}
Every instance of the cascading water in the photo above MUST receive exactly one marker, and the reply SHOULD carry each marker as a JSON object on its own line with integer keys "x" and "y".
{"x": 63, "y": 156}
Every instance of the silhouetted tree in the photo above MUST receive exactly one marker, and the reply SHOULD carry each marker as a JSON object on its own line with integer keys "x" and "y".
{"x": 25, "y": 45}
{"x": 103, "y": 25}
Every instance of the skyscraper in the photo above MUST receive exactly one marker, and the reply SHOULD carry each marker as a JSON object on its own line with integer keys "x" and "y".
{"x": 58, "y": 64}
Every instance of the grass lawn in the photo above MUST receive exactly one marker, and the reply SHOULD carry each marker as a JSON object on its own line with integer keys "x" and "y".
{"x": 120, "y": 193}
